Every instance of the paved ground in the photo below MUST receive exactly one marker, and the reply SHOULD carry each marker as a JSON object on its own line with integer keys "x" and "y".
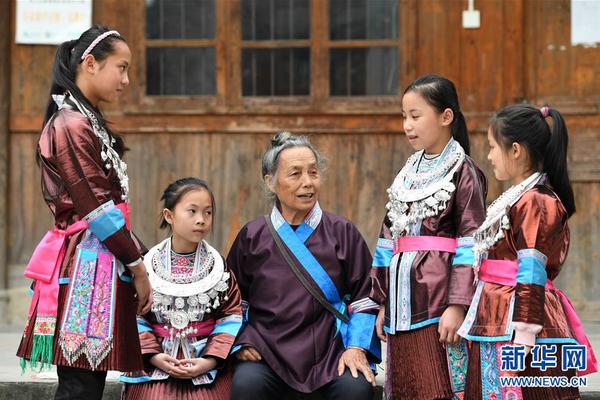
{"x": 37, "y": 386}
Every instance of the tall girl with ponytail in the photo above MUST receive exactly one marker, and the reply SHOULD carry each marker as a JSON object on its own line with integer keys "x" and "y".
{"x": 519, "y": 250}
{"x": 88, "y": 269}
{"x": 422, "y": 268}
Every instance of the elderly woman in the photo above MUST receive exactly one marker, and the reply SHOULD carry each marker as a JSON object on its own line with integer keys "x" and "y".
{"x": 304, "y": 277}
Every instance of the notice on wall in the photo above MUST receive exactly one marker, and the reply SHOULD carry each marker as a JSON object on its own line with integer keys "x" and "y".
{"x": 585, "y": 25}
{"x": 51, "y": 21}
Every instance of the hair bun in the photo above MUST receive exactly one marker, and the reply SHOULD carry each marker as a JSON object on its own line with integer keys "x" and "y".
{"x": 280, "y": 138}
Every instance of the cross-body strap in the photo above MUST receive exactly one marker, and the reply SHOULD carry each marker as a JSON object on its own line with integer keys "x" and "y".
{"x": 301, "y": 277}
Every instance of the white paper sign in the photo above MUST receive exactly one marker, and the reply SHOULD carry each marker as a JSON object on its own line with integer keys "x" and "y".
{"x": 51, "y": 21}
{"x": 585, "y": 22}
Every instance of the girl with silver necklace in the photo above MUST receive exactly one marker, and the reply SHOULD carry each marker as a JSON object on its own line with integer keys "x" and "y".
{"x": 519, "y": 250}
{"x": 423, "y": 262}
{"x": 196, "y": 312}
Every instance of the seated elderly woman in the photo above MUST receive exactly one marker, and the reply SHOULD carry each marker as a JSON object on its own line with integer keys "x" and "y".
{"x": 304, "y": 277}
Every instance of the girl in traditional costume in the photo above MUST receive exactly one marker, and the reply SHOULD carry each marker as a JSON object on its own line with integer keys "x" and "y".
{"x": 519, "y": 250}
{"x": 196, "y": 313}
{"x": 82, "y": 314}
{"x": 422, "y": 268}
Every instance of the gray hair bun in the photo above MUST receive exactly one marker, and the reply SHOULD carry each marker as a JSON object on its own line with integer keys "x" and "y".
{"x": 280, "y": 138}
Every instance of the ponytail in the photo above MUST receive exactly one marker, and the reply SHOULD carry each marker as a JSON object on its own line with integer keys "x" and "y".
{"x": 63, "y": 79}
{"x": 546, "y": 143}
{"x": 555, "y": 161}
{"x": 440, "y": 93}
{"x": 64, "y": 74}
{"x": 459, "y": 131}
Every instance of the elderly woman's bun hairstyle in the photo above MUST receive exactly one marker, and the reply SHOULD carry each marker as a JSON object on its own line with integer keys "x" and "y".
{"x": 282, "y": 141}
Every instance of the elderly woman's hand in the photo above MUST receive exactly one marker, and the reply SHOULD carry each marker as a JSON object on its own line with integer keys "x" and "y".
{"x": 248, "y": 353}
{"x": 356, "y": 360}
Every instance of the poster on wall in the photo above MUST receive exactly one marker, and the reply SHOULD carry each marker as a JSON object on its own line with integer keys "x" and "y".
{"x": 585, "y": 15}
{"x": 51, "y": 21}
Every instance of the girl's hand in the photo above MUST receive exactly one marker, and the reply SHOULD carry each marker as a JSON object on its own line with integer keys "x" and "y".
{"x": 248, "y": 353}
{"x": 451, "y": 320}
{"x": 142, "y": 288}
{"x": 379, "y": 324}
{"x": 198, "y": 366}
{"x": 170, "y": 365}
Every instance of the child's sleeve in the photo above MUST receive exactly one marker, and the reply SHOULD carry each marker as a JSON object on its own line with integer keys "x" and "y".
{"x": 381, "y": 263}
{"x": 537, "y": 222}
{"x": 469, "y": 214}
{"x": 228, "y": 319}
{"x": 148, "y": 341}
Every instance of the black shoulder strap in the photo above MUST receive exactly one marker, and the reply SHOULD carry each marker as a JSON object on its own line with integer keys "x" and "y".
{"x": 311, "y": 289}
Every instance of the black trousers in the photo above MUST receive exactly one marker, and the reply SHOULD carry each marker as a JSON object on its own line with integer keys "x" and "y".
{"x": 257, "y": 381}
{"x": 79, "y": 384}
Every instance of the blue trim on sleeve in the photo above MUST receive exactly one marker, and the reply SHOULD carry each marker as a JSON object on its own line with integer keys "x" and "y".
{"x": 360, "y": 330}
{"x": 143, "y": 326}
{"x": 464, "y": 255}
{"x": 136, "y": 379}
{"x": 229, "y": 327}
{"x": 531, "y": 270}
{"x": 382, "y": 257}
{"x": 63, "y": 281}
{"x": 107, "y": 223}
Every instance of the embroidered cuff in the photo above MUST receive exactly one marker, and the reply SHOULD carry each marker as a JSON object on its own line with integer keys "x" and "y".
{"x": 525, "y": 333}
{"x": 532, "y": 267}
{"x": 105, "y": 220}
{"x": 362, "y": 305}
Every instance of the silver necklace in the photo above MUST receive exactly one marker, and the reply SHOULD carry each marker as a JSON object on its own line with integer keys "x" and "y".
{"x": 496, "y": 221}
{"x": 416, "y": 195}
{"x": 109, "y": 155}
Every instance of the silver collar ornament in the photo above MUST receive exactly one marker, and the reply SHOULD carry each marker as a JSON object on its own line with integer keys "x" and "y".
{"x": 416, "y": 195}
{"x": 496, "y": 220}
{"x": 109, "y": 155}
{"x": 179, "y": 304}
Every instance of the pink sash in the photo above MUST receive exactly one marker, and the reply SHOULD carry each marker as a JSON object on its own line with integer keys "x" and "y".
{"x": 203, "y": 328}
{"x": 424, "y": 243}
{"x": 504, "y": 272}
{"x": 44, "y": 268}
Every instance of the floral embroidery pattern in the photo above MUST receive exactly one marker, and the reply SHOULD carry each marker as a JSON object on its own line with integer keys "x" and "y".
{"x": 457, "y": 366}
{"x": 44, "y": 326}
{"x": 89, "y": 312}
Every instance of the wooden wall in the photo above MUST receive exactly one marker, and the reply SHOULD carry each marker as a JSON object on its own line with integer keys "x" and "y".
{"x": 4, "y": 138}
{"x": 521, "y": 52}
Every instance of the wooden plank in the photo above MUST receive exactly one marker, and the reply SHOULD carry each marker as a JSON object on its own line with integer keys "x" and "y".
{"x": 274, "y": 44}
{"x": 5, "y": 39}
{"x": 408, "y": 35}
{"x": 153, "y": 123}
{"x": 347, "y": 44}
{"x": 579, "y": 275}
{"x": 319, "y": 69}
{"x": 181, "y": 43}
{"x": 513, "y": 54}
{"x": 29, "y": 217}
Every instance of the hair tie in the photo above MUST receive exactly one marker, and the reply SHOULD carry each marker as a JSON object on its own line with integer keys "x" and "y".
{"x": 98, "y": 40}
{"x": 545, "y": 111}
